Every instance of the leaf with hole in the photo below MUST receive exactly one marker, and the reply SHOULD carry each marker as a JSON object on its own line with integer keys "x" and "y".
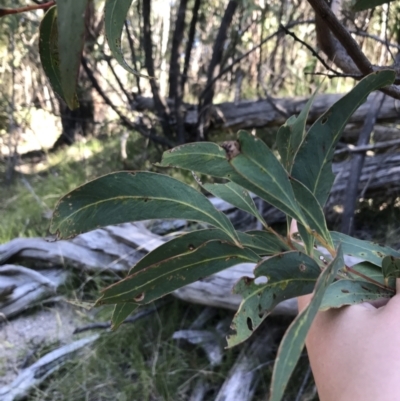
{"x": 71, "y": 37}
{"x": 365, "y": 250}
{"x": 292, "y": 343}
{"x": 313, "y": 162}
{"x": 115, "y": 14}
{"x": 122, "y": 197}
{"x": 162, "y": 278}
{"x": 121, "y": 312}
{"x": 351, "y": 292}
{"x": 280, "y": 277}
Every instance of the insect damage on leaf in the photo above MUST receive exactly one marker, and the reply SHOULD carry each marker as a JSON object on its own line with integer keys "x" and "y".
{"x": 232, "y": 149}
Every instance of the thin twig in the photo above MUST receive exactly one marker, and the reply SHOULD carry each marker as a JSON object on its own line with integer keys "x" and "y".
{"x": 303, "y": 384}
{"x": 313, "y": 52}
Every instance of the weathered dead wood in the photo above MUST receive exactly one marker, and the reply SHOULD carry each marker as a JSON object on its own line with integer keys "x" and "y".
{"x": 262, "y": 113}
{"x": 113, "y": 250}
{"x": 35, "y": 374}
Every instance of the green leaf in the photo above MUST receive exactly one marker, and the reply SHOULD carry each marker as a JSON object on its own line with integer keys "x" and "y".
{"x": 121, "y": 197}
{"x": 115, "y": 13}
{"x": 361, "y": 5}
{"x": 391, "y": 267}
{"x": 263, "y": 243}
{"x": 312, "y": 212}
{"x": 236, "y": 196}
{"x": 291, "y": 135}
{"x": 255, "y": 168}
{"x": 203, "y": 157}
{"x": 293, "y": 341}
{"x": 365, "y": 250}
{"x": 121, "y": 312}
{"x": 260, "y": 172}
{"x": 160, "y": 279}
{"x": 179, "y": 246}
{"x": 48, "y": 50}
{"x": 350, "y": 292}
{"x": 289, "y": 275}
{"x": 71, "y": 37}
{"x": 367, "y": 269}
{"x": 313, "y": 162}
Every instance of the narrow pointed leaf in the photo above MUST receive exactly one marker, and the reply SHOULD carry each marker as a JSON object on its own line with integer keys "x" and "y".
{"x": 313, "y": 162}
{"x": 289, "y": 275}
{"x": 263, "y": 243}
{"x": 261, "y": 173}
{"x": 391, "y": 267}
{"x": 203, "y": 157}
{"x": 236, "y": 196}
{"x": 71, "y": 37}
{"x": 291, "y": 135}
{"x": 162, "y": 278}
{"x": 361, "y": 5}
{"x": 122, "y": 197}
{"x": 293, "y": 341}
{"x": 115, "y": 14}
{"x": 312, "y": 210}
{"x": 350, "y": 292}
{"x": 366, "y": 250}
{"x": 121, "y": 312}
{"x": 48, "y": 50}
{"x": 179, "y": 246}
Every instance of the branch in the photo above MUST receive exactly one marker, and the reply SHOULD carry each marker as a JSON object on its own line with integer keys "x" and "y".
{"x": 133, "y": 56}
{"x": 207, "y": 95}
{"x": 190, "y": 41}
{"x": 125, "y": 120}
{"x": 10, "y": 11}
{"x": 324, "y": 12}
{"x": 175, "y": 88}
{"x": 315, "y": 54}
{"x": 161, "y": 107}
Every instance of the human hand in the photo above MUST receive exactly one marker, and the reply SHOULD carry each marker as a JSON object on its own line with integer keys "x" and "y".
{"x": 354, "y": 351}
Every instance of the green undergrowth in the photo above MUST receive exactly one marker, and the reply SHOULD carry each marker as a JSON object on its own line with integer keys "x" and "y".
{"x": 26, "y": 204}
{"x": 141, "y": 362}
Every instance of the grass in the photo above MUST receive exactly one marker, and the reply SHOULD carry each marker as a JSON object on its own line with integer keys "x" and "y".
{"x": 140, "y": 361}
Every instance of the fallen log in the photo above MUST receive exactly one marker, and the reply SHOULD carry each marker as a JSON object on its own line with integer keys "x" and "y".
{"x": 273, "y": 112}
{"x": 113, "y": 250}
{"x": 35, "y": 374}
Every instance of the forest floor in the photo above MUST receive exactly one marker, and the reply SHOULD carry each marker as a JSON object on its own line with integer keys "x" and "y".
{"x": 140, "y": 361}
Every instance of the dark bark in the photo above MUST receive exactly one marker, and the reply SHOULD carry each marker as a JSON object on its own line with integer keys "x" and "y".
{"x": 190, "y": 41}
{"x": 207, "y": 96}
{"x": 124, "y": 120}
{"x": 133, "y": 57}
{"x": 175, "y": 88}
{"x": 160, "y": 106}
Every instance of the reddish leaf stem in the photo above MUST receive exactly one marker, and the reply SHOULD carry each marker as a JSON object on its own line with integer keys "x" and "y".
{"x": 372, "y": 281}
{"x": 9, "y": 11}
